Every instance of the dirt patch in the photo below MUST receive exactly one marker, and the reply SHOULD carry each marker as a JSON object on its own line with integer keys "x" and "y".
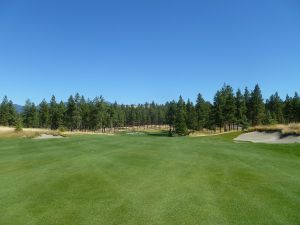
{"x": 48, "y": 136}
{"x": 268, "y": 137}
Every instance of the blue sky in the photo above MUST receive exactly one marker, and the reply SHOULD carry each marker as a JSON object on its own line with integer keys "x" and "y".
{"x": 144, "y": 50}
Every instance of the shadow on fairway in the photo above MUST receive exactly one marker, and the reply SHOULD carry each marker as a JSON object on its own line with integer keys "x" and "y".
{"x": 158, "y": 134}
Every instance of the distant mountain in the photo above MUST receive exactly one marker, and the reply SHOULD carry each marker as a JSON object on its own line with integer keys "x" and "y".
{"x": 19, "y": 108}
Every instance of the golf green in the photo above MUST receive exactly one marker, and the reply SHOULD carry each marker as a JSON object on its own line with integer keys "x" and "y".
{"x": 148, "y": 179}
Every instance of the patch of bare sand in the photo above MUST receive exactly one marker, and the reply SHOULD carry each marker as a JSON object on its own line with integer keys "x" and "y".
{"x": 268, "y": 137}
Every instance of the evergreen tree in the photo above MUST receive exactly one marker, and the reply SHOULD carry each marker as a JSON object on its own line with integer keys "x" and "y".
{"x": 4, "y": 112}
{"x": 161, "y": 115}
{"x": 180, "y": 123}
{"x": 288, "y": 110}
{"x": 153, "y": 114}
{"x": 121, "y": 116}
{"x": 268, "y": 120}
{"x": 60, "y": 117}
{"x": 116, "y": 115}
{"x": 112, "y": 115}
{"x": 30, "y": 115}
{"x": 275, "y": 107}
{"x": 171, "y": 115}
{"x": 247, "y": 97}
{"x": 257, "y": 107}
{"x": 211, "y": 124}
{"x": 77, "y": 117}
{"x": 7, "y": 113}
{"x": 85, "y": 111}
{"x": 191, "y": 116}
{"x": 53, "y": 117}
{"x": 97, "y": 113}
{"x": 241, "y": 110}
{"x": 18, "y": 124}
{"x": 296, "y": 107}
{"x": 71, "y": 114}
{"x": 44, "y": 115}
{"x": 202, "y": 111}
{"x": 218, "y": 110}
{"x": 12, "y": 119}
{"x": 229, "y": 108}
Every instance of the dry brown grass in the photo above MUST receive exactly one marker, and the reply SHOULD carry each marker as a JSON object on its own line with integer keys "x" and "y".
{"x": 9, "y": 132}
{"x": 293, "y": 128}
{"x": 68, "y": 133}
{"x": 204, "y": 133}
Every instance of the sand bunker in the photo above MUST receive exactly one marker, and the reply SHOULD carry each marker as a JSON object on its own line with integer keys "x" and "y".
{"x": 48, "y": 136}
{"x": 268, "y": 137}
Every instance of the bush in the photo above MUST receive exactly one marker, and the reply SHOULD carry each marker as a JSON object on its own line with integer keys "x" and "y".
{"x": 18, "y": 126}
{"x": 18, "y": 129}
{"x": 62, "y": 129}
{"x": 171, "y": 133}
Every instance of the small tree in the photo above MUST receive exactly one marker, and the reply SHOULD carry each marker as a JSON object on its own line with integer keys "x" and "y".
{"x": 268, "y": 120}
{"x": 18, "y": 125}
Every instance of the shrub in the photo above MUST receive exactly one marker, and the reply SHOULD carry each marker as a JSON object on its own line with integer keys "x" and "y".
{"x": 62, "y": 129}
{"x": 18, "y": 125}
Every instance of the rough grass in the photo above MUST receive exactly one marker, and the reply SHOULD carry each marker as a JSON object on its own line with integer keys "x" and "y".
{"x": 204, "y": 133}
{"x": 27, "y": 133}
{"x": 148, "y": 179}
{"x": 293, "y": 128}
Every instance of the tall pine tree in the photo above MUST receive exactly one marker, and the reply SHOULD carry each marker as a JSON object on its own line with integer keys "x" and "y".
{"x": 202, "y": 111}
{"x": 218, "y": 110}
{"x": 180, "y": 122}
{"x": 191, "y": 116}
{"x": 4, "y": 112}
{"x": 44, "y": 115}
{"x": 241, "y": 110}
{"x": 257, "y": 107}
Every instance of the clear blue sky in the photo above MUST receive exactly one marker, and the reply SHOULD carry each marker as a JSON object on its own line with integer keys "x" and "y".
{"x": 144, "y": 50}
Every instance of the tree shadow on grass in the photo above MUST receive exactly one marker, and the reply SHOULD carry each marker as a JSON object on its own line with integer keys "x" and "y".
{"x": 158, "y": 134}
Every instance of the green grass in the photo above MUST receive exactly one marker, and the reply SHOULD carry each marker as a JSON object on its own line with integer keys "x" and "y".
{"x": 148, "y": 179}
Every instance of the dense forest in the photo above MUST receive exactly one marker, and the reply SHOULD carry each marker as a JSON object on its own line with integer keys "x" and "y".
{"x": 228, "y": 111}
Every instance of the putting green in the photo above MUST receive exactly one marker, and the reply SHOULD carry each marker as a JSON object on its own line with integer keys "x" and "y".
{"x": 145, "y": 179}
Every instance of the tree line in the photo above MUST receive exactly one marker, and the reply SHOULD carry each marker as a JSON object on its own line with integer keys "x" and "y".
{"x": 228, "y": 111}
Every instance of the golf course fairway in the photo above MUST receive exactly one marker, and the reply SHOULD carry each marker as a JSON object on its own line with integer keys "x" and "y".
{"x": 148, "y": 179}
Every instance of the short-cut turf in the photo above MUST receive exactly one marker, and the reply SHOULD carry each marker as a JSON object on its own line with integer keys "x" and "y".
{"x": 136, "y": 180}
